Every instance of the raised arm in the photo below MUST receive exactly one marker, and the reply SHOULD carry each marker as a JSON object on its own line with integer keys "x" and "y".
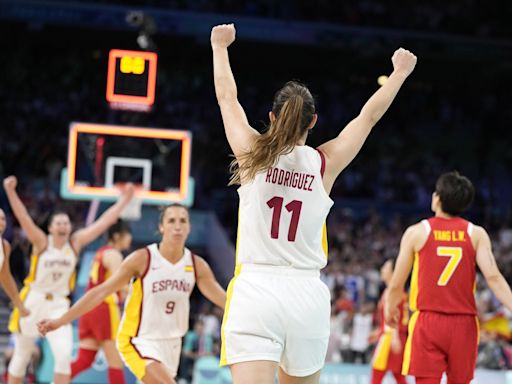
{"x": 8, "y": 283}
{"x": 87, "y": 235}
{"x": 238, "y": 131}
{"x": 412, "y": 240}
{"x": 34, "y": 234}
{"x": 487, "y": 264}
{"x": 340, "y": 151}
{"x": 207, "y": 283}
{"x": 134, "y": 265}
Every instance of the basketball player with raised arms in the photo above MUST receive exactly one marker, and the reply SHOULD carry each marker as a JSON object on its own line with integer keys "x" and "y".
{"x": 51, "y": 280}
{"x": 6, "y": 279}
{"x": 443, "y": 253}
{"x": 98, "y": 328}
{"x": 156, "y": 313}
{"x": 278, "y": 310}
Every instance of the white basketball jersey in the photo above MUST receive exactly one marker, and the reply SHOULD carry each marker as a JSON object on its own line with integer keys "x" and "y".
{"x": 53, "y": 271}
{"x": 158, "y": 304}
{"x": 283, "y": 212}
{"x": 2, "y": 252}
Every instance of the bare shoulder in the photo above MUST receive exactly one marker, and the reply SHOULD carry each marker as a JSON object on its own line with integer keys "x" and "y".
{"x": 201, "y": 266}
{"x": 137, "y": 261}
{"x": 479, "y": 236}
{"x": 416, "y": 235}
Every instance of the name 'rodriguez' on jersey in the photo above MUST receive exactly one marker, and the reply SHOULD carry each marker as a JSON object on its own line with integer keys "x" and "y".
{"x": 283, "y": 211}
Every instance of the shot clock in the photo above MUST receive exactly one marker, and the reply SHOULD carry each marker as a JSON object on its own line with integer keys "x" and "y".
{"x": 131, "y": 79}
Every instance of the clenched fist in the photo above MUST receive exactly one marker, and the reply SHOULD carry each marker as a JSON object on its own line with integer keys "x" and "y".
{"x": 10, "y": 183}
{"x": 404, "y": 61}
{"x": 223, "y": 35}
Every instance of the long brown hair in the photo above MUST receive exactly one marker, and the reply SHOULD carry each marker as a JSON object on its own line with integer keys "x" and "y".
{"x": 294, "y": 108}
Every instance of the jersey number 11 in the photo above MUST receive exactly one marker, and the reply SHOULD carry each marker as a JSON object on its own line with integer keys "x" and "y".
{"x": 276, "y": 204}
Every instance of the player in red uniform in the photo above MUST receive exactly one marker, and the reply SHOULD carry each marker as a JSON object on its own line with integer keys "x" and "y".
{"x": 98, "y": 328}
{"x": 445, "y": 249}
{"x": 389, "y": 354}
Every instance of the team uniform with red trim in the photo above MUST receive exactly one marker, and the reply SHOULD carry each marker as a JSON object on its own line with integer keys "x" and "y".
{"x": 102, "y": 322}
{"x": 156, "y": 314}
{"x": 384, "y": 359}
{"x": 45, "y": 293}
{"x": 443, "y": 330}
{"x": 277, "y": 307}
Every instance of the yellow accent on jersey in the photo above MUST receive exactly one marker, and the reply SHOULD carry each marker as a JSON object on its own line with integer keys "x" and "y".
{"x": 131, "y": 356}
{"x": 381, "y": 357}
{"x": 72, "y": 282}
{"x": 14, "y": 321}
{"x": 113, "y": 310}
{"x": 189, "y": 268}
{"x": 229, "y": 296}
{"x": 413, "y": 300}
{"x": 408, "y": 345}
{"x": 325, "y": 242}
{"x": 128, "y": 329}
{"x": 34, "y": 260}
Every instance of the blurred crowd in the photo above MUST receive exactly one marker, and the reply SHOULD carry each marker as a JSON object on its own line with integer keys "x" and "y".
{"x": 439, "y": 125}
{"x": 467, "y": 17}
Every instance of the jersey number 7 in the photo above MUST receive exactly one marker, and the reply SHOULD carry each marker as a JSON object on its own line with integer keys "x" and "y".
{"x": 455, "y": 255}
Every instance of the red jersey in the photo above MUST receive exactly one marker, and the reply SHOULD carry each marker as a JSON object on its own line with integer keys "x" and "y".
{"x": 444, "y": 272}
{"x": 99, "y": 273}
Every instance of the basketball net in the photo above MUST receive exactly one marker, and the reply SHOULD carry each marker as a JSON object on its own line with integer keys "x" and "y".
{"x": 133, "y": 211}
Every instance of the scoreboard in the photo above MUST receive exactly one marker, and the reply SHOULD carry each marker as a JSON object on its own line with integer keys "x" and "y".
{"x": 131, "y": 79}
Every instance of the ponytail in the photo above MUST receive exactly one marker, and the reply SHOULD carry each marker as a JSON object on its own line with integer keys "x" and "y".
{"x": 294, "y": 110}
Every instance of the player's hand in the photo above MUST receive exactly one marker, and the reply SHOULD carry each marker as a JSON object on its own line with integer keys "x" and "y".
{"x": 128, "y": 191}
{"x": 48, "y": 325}
{"x": 404, "y": 61}
{"x": 391, "y": 316}
{"x": 223, "y": 35}
{"x": 10, "y": 183}
{"x": 24, "y": 312}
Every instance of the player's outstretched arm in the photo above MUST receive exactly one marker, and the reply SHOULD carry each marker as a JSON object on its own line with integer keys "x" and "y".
{"x": 35, "y": 234}
{"x": 87, "y": 235}
{"x": 8, "y": 283}
{"x": 339, "y": 152}
{"x": 134, "y": 265}
{"x": 238, "y": 131}
{"x": 487, "y": 264}
{"x": 409, "y": 243}
{"x": 207, "y": 283}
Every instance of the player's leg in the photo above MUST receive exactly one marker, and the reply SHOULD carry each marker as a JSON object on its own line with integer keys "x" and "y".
{"x": 87, "y": 350}
{"x": 115, "y": 364}
{"x": 254, "y": 372}
{"x": 23, "y": 348}
{"x": 464, "y": 350}
{"x": 399, "y": 378}
{"x": 157, "y": 373}
{"x": 284, "y": 378}
{"x": 253, "y": 329}
{"x": 61, "y": 341}
{"x": 377, "y": 376}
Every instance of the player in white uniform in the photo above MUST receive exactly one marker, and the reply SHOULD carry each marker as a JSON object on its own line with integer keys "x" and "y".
{"x": 51, "y": 280}
{"x": 277, "y": 311}
{"x": 6, "y": 279}
{"x": 156, "y": 313}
